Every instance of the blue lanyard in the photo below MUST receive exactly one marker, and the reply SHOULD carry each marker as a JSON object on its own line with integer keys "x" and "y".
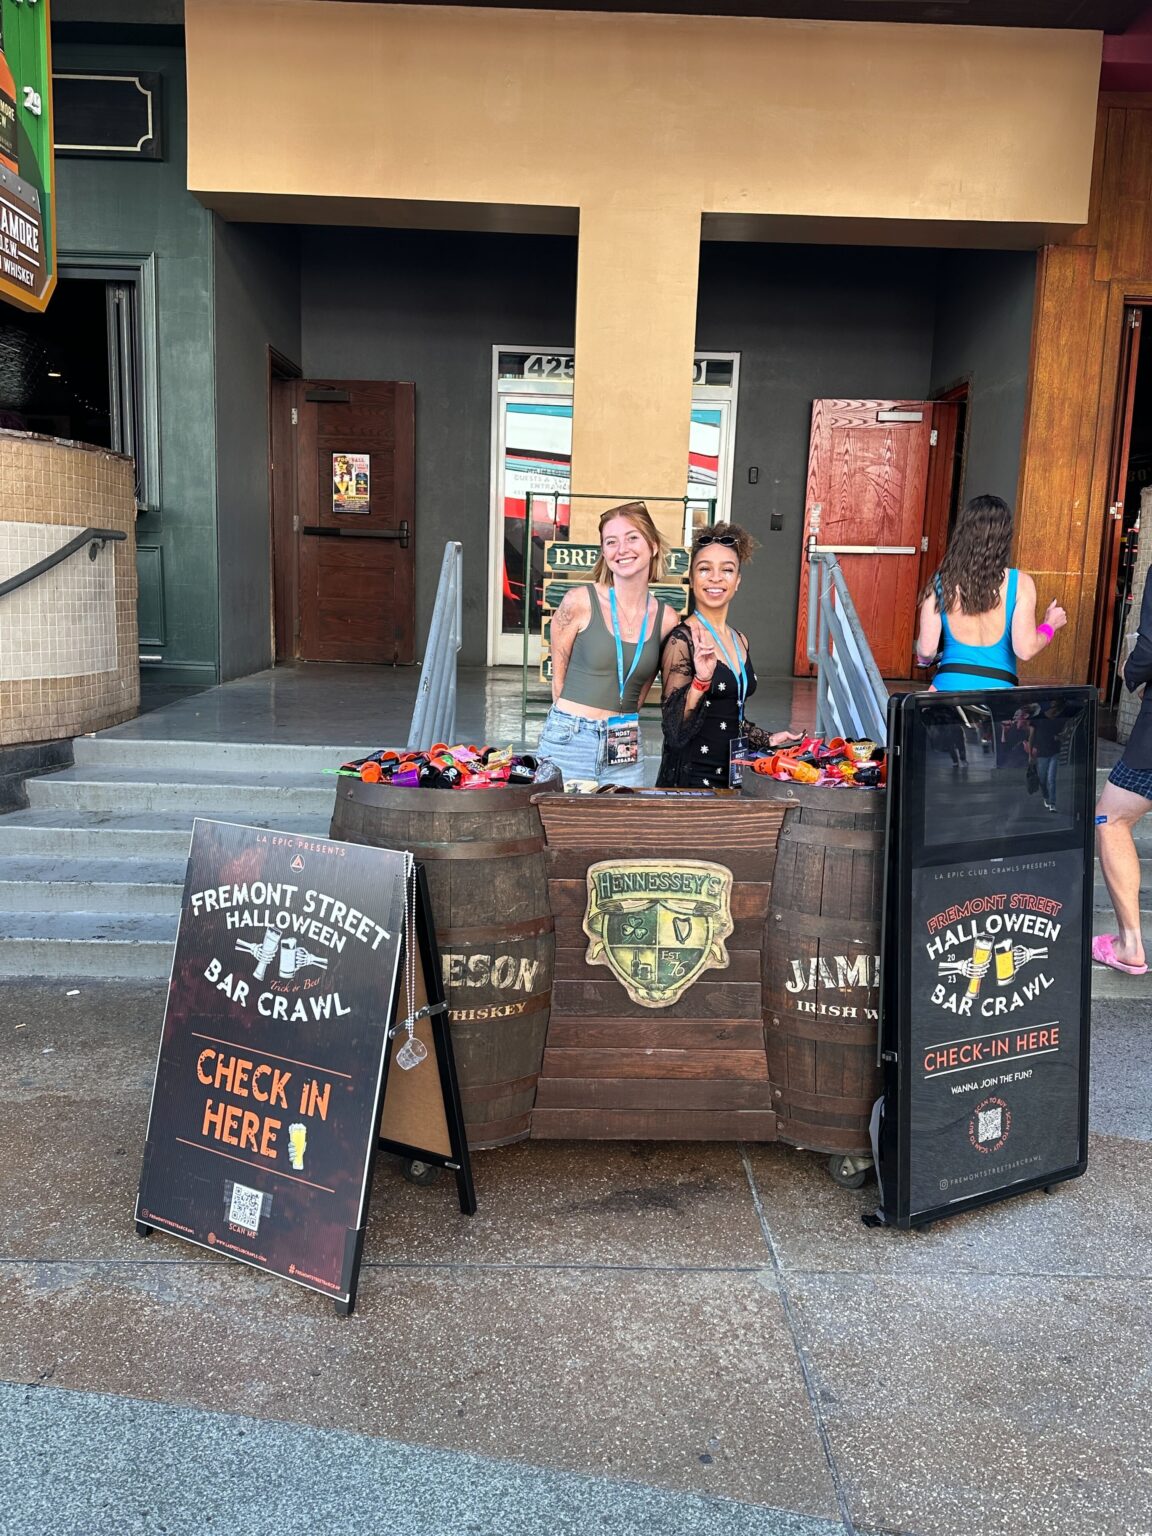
{"x": 622, "y": 678}
{"x": 741, "y": 676}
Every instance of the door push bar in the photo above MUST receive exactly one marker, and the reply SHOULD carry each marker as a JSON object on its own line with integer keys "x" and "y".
{"x": 864, "y": 549}
{"x": 403, "y": 533}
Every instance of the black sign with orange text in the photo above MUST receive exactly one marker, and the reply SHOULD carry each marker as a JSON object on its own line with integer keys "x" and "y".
{"x": 986, "y": 989}
{"x": 267, "y": 1098}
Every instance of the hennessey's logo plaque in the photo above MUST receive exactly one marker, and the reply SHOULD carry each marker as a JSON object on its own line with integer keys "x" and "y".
{"x": 657, "y": 924}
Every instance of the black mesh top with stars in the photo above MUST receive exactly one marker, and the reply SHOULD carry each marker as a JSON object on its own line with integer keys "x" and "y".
{"x": 695, "y": 754}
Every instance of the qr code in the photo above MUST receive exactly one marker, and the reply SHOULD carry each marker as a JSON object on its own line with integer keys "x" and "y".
{"x": 246, "y": 1208}
{"x": 991, "y": 1121}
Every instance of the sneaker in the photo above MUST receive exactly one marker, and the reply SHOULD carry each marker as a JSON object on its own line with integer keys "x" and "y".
{"x": 1048, "y": 806}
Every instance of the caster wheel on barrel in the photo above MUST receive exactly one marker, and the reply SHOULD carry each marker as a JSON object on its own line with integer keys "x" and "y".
{"x": 849, "y": 1172}
{"x": 420, "y": 1173}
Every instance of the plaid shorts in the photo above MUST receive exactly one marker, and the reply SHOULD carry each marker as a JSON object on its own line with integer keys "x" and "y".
{"x": 1135, "y": 780}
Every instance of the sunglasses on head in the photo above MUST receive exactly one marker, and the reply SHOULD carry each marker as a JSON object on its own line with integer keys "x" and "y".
{"x": 717, "y": 538}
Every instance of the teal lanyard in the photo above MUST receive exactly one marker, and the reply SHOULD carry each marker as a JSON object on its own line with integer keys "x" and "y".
{"x": 621, "y": 677}
{"x": 741, "y": 676}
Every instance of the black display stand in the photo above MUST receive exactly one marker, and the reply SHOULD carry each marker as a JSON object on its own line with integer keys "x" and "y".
{"x": 986, "y": 989}
{"x": 281, "y": 1069}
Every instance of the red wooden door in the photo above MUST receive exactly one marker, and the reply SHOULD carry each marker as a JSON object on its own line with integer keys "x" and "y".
{"x": 868, "y": 474}
{"x": 354, "y": 527}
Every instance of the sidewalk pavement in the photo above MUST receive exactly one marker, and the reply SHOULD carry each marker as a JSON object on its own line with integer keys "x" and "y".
{"x": 627, "y": 1337}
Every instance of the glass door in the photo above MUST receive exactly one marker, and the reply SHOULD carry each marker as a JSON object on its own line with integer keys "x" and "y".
{"x": 531, "y": 462}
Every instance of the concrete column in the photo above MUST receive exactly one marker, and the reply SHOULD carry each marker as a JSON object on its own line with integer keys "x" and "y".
{"x": 635, "y": 342}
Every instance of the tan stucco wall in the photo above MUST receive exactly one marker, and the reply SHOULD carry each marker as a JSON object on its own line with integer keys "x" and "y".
{"x": 641, "y": 123}
{"x": 69, "y": 658}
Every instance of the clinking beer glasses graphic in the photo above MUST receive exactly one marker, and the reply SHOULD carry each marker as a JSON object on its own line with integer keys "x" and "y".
{"x": 981, "y": 955}
{"x": 293, "y": 957}
{"x": 1009, "y": 958}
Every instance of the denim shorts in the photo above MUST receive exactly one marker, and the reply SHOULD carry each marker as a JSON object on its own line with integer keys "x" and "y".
{"x": 577, "y": 748}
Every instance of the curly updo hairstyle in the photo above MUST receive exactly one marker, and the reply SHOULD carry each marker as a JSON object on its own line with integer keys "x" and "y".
{"x": 721, "y": 536}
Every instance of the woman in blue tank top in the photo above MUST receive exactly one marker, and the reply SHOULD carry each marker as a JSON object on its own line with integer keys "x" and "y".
{"x": 979, "y": 615}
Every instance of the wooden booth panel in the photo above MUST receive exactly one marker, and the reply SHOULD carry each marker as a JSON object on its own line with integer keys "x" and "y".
{"x": 695, "y": 1068}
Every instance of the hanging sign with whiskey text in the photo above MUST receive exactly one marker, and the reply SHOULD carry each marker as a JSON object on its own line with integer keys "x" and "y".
{"x": 27, "y": 191}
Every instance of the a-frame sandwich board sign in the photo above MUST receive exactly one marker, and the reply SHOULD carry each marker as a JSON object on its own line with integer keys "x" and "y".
{"x": 287, "y": 998}
{"x": 985, "y": 979}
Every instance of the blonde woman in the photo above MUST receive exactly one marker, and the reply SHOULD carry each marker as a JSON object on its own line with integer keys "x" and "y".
{"x": 606, "y": 639}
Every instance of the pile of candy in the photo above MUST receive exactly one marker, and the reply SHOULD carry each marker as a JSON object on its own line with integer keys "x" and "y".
{"x": 812, "y": 760}
{"x": 444, "y": 767}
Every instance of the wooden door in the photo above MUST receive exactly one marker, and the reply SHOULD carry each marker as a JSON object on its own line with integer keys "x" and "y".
{"x": 868, "y": 473}
{"x": 354, "y": 521}
{"x": 1104, "y": 652}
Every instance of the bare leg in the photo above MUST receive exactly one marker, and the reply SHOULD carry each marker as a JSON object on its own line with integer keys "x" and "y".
{"x": 1120, "y": 864}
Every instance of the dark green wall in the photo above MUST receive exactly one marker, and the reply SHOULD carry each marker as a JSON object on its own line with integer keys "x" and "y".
{"x": 984, "y": 335}
{"x": 807, "y": 321}
{"x": 810, "y": 323}
{"x": 256, "y": 304}
{"x": 402, "y": 304}
{"x": 107, "y": 207}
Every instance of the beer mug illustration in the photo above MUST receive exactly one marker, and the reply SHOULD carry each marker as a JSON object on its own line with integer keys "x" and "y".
{"x": 267, "y": 953}
{"x": 981, "y": 958}
{"x": 287, "y": 958}
{"x": 1005, "y": 963}
{"x": 297, "y": 1141}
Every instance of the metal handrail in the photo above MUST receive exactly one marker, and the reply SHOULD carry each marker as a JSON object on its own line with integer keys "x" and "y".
{"x": 96, "y": 537}
{"x": 851, "y": 696}
{"x": 434, "y": 714}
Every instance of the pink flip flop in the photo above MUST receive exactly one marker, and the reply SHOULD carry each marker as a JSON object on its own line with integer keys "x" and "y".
{"x": 1103, "y": 954}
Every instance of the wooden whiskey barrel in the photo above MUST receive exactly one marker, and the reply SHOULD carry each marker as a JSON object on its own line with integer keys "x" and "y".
{"x": 821, "y": 963}
{"x": 483, "y": 854}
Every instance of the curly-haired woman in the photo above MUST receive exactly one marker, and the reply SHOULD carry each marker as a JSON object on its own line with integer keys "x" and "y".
{"x": 977, "y": 611}
{"x": 707, "y": 673}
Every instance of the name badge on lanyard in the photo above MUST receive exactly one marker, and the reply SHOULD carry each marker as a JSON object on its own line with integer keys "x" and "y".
{"x": 738, "y": 745}
{"x": 622, "y": 742}
{"x": 737, "y": 750}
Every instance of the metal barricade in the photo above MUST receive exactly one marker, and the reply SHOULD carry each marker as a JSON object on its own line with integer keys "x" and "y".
{"x": 851, "y": 696}
{"x": 434, "y": 714}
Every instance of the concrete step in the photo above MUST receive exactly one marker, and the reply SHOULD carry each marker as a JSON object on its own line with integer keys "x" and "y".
{"x": 110, "y": 945}
{"x": 30, "y": 884}
{"x": 63, "y": 833}
{"x": 187, "y": 791}
{"x": 139, "y": 759}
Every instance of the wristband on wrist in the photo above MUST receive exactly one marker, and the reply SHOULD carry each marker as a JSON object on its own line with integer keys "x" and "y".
{"x": 1046, "y": 630}
{"x": 701, "y": 686}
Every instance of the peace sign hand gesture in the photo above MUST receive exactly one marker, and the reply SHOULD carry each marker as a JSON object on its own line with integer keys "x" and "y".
{"x": 704, "y": 648}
